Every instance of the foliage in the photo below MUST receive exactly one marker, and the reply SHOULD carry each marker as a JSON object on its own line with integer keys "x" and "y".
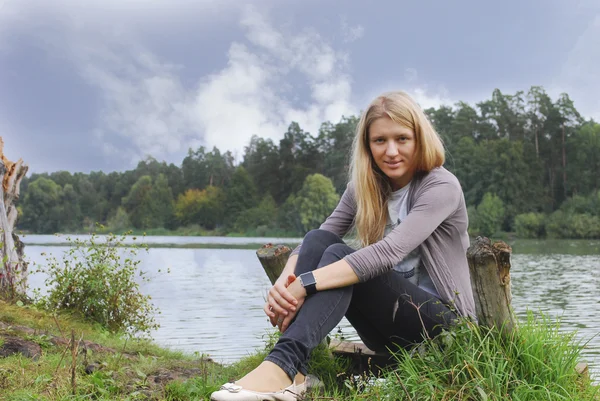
{"x": 149, "y": 203}
{"x": 263, "y": 215}
{"x": 241, "y": 196}
{"x": 315, "y": 201}
{"x": 535, "y": 153}
{"x": 529, "y": 225}
{"x": 120, "y": 221}
{"x": 204, "y": 207}
{"x": 489, "y": 215}
{"x": 562, "y": 224}
{"x": 41, "y": 206}
{"x": 96, "y": 279}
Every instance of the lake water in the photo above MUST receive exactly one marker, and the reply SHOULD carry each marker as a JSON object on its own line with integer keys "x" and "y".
{"x": 211, "y": 301}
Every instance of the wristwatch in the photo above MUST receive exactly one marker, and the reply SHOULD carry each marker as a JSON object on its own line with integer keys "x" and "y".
{"x": 308, "y": 282}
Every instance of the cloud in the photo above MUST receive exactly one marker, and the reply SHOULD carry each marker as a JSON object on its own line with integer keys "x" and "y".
{"x": 274, "y": 74}
{"x": 580, "y": 75}
{"x": 146, "y": 108}
{"x": 351, "y": 33}
{"x": 256, "y": 93}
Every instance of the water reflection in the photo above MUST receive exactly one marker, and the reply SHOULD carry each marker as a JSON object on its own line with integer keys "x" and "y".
{"x": 212, "y": 300}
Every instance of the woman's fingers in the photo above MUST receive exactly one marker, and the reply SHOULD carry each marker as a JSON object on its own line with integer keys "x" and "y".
{"x": 283, "y": 322}
{"x": 282, "y": 297}
{"x": 270, "y": 314}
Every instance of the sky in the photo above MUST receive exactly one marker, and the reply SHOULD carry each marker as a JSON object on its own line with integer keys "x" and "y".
{"x": 102, "y": 84}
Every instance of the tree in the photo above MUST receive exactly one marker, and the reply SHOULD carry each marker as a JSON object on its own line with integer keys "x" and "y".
{"x": 203, "y": 207}
{"x": 42, "y": 206}
{"x": 335, "y": 146}
{"x": 163, "y": 203}
{"x": 315, "y": 201}
{"x": 258, "y": 219}
{"x": 490, "y": 214}
{"x": 150, "y": 204}
{"x": 261, "y": 160}
{"x": 139, "y": 203}
{"x": 241, "y": 195}
{"x": 201, "y": 169}
{"x": 570, "y": 119}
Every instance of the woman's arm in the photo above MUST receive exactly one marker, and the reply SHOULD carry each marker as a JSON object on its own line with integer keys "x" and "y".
{"x": 335, "y": 275}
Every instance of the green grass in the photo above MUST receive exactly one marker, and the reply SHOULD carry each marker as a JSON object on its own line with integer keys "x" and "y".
{"x": 537, "y": 362}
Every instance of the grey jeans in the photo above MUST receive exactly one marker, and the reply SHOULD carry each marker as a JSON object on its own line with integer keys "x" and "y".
{"x": 368, "y": 306}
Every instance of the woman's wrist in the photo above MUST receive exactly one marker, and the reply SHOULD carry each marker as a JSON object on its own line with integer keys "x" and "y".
{"x": 297, "y": 290}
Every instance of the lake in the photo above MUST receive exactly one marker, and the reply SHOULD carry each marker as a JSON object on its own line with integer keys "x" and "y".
{"x": 212, "y": 299}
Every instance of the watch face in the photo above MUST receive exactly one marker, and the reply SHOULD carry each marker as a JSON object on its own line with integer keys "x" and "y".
{"x": 307, "y": 279}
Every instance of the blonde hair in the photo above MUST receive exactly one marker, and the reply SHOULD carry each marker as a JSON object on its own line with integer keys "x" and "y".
{"x": 371, "y": 185}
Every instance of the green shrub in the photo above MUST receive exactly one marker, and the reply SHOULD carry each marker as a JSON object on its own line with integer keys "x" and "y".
{"x": 567, "y": 225}
{"x": 490, "y": 214}
{"x": 530, "y": 225}
{"x": 96, "y": 279}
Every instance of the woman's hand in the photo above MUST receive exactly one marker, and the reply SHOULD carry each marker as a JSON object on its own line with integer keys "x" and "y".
{"x": 299, "y": 293}
{"x": 280, "y": 302}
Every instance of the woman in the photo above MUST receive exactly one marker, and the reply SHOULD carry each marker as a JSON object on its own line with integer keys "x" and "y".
{"x": 409, "y": 279}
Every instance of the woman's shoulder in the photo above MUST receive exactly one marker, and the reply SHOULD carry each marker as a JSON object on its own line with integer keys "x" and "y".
{"x": 440, "y": 175}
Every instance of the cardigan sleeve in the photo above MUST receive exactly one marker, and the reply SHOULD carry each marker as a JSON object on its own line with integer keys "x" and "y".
{"x": 434, "y": 203}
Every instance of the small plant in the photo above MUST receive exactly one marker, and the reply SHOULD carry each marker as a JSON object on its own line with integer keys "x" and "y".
{"x": 97, "y": 280}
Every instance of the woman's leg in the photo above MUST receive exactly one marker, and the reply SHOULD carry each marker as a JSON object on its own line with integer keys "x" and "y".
{"x": 389, "y": 311}
{"x": 319, "y": 314}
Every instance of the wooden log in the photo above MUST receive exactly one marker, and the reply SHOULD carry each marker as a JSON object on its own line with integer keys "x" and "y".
{"x": 13, "y": 270}
{"x": 489, "y": 266}
{"x": 273, "y": 259}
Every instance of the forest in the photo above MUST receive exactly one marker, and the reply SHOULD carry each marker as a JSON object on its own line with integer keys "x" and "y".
{"x": 528, "y": 164}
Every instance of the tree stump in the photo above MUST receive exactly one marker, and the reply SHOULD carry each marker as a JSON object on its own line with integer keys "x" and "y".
{"x": 273, "y": 259}
{"x": 489, "y": 265}
{"x": 13, "y": 270}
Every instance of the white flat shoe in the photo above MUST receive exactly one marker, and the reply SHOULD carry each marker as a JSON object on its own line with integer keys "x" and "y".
{"x": 233, "y": 392}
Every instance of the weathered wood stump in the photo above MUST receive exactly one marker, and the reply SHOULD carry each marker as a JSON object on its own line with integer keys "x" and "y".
{"x": 489, "y": 265}
{"x": 13, "y": 270}
{"x": 273, "y": 259}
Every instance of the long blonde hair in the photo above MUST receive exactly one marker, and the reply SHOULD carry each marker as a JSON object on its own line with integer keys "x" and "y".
{"x": 371, "y": 185}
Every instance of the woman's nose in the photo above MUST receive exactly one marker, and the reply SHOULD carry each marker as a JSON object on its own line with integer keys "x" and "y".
{"x": 391, "y": 149}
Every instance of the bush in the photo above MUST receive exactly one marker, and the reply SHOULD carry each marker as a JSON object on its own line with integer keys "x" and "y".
{"x": 490, "y": 214}
{"x": 567, "y": 225}
{"x": 97, "y": 280}
{"x": 530, "y": 225}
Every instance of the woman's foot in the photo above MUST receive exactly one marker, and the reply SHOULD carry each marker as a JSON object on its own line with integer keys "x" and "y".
{"x": 267, "y": 382}
{"x": 268, "y": 377}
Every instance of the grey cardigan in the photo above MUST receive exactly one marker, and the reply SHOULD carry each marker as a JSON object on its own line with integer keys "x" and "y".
{"x": 437, "y": 221}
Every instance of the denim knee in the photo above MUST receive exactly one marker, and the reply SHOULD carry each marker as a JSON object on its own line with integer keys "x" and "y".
{"x": 319, "y": 236}
{"x": 335, "y": 252}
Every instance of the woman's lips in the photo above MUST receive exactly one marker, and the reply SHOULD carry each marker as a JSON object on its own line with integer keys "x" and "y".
{"x": 393, "y": 164}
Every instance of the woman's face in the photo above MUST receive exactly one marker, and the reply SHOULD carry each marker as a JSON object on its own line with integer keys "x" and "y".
{"x": 393, "y": 147}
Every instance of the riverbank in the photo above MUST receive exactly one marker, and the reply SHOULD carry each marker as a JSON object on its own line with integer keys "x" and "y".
{"x": 37, "y": 362}
{"x": 537, "y": 364}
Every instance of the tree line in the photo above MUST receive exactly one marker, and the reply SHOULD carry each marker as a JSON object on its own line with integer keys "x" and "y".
{"x": 527, "y": 164}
